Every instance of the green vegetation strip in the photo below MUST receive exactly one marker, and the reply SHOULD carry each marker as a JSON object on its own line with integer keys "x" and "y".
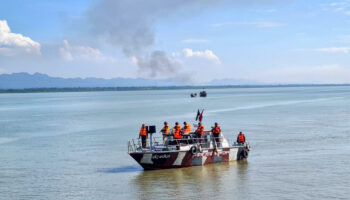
{"x": 96, "y": 89}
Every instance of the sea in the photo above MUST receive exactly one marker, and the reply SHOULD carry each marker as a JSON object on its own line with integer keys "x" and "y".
{"x": 73, "y": 145}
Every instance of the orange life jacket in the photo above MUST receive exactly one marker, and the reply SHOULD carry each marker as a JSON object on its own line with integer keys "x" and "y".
{"x": 143, "y": 131}
{"x": 187, "y": 128}
{"x": 200, "y": 130}
{"x": 241, "y": 137}
{"x": 177, "y": 134}
{"x": 165, "y": 129}
{"x": 216, "y": 130}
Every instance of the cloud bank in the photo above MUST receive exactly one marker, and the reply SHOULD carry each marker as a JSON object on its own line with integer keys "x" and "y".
{"x": 207, "y": 54}
{"x": 70, "y": 52}
{"x": 12, "y": 44}
{"x": 334, "y": 49}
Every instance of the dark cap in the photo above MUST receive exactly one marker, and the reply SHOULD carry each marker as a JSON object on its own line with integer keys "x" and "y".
{"x": 176, "y": 123}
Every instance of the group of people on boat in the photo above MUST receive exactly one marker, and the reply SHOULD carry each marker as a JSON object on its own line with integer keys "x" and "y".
{"x": 183, "y": 133}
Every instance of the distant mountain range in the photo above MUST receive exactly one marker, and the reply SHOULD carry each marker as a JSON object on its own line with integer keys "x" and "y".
{"x": 25, "y": 81}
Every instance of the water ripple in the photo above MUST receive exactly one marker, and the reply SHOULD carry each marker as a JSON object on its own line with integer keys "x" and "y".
{"x": 123, "y": 169}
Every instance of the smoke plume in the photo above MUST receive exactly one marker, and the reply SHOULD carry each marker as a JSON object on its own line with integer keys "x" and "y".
{"x": 129, "y": 25}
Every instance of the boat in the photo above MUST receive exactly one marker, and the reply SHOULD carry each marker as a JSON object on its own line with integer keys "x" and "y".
{"x": 193, "y": 95}
{"x": 203, "y": 93}
{"x": 166, "y": 152}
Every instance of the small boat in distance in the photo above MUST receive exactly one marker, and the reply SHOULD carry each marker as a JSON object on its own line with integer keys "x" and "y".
{"x": 166, "y": 152}
{"x": 193, "y": 95}
{"x": 203, "y": 93}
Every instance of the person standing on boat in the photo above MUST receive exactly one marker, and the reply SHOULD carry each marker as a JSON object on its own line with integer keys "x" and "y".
{"x": 177, "y": 131}
{"x": 186, "y": 130}
{"x": 216, "y": 130}
{"x": 143, "y": 135}
{"x": 165, "y": 130}
{"x": 199, "y": 132}
{"x": 240, "y": 138}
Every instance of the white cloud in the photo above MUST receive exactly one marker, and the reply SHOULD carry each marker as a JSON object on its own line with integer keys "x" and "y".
{"x": 207, "y": 54}
{"x": 69, "y": 53}
{"x": 343, "y": 50}
{"x": 12, "y": 44}
{"x": 2, "y": 71}
{"x": 221, "y": 24}
{"x": 339, "y": 7}
{"x": 134, "y": 60}
{"x": 270, "y": 10}
{"x": 343, "y": 39}
{"x": 337, "y": 4}
{"x": 334, "y": 49}
{"x": 257, "y": 24}
{"x": 195, "y": 41}
{"x": 265, "y": 24}
{"x": 319, "y": 74}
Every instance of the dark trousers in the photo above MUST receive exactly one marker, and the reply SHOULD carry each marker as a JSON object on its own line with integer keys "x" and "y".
{"x": 143, "y": 140}
{"x": 217, "y": 139}
{"x": 199, "y": 138}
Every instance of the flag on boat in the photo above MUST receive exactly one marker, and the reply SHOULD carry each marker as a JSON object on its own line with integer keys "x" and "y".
{"x": 198, "y": 113}
{"x": 201, "y": 116}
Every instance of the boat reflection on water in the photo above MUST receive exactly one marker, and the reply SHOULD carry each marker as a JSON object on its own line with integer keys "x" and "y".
{"x": 209, "y": 181}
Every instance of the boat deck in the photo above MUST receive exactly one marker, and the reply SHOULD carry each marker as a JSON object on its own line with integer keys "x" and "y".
{"x": 168, "y": 144}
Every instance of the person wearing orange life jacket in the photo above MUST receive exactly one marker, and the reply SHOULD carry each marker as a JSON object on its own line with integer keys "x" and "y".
{"x": 186, "y": 130}
{"x": 143, "y": 135}
{"x": 165, "y": 130}
{"x": 216, "y": 130}
{"x": 240, "y": 138}
{"x": 199, "y": 132}
{"x": 177, "y": 131}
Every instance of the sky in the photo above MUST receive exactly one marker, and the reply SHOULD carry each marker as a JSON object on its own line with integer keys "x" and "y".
{"x": 269, "y": 41}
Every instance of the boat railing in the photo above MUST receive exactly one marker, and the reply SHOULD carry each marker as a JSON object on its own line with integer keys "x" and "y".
{"x": 168, "y": 143}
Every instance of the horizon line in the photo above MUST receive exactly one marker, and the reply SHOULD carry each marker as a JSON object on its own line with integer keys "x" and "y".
{"x": 143, "y": 88}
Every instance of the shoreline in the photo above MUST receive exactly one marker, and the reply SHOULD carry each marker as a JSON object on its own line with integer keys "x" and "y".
{"x": 104, "y": 89}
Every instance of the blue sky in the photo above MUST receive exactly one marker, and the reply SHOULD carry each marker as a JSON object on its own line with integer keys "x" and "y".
{"x": 269, "y": 41}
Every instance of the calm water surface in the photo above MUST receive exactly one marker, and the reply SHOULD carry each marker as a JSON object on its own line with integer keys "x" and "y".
{"x": 73, "y": 145}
